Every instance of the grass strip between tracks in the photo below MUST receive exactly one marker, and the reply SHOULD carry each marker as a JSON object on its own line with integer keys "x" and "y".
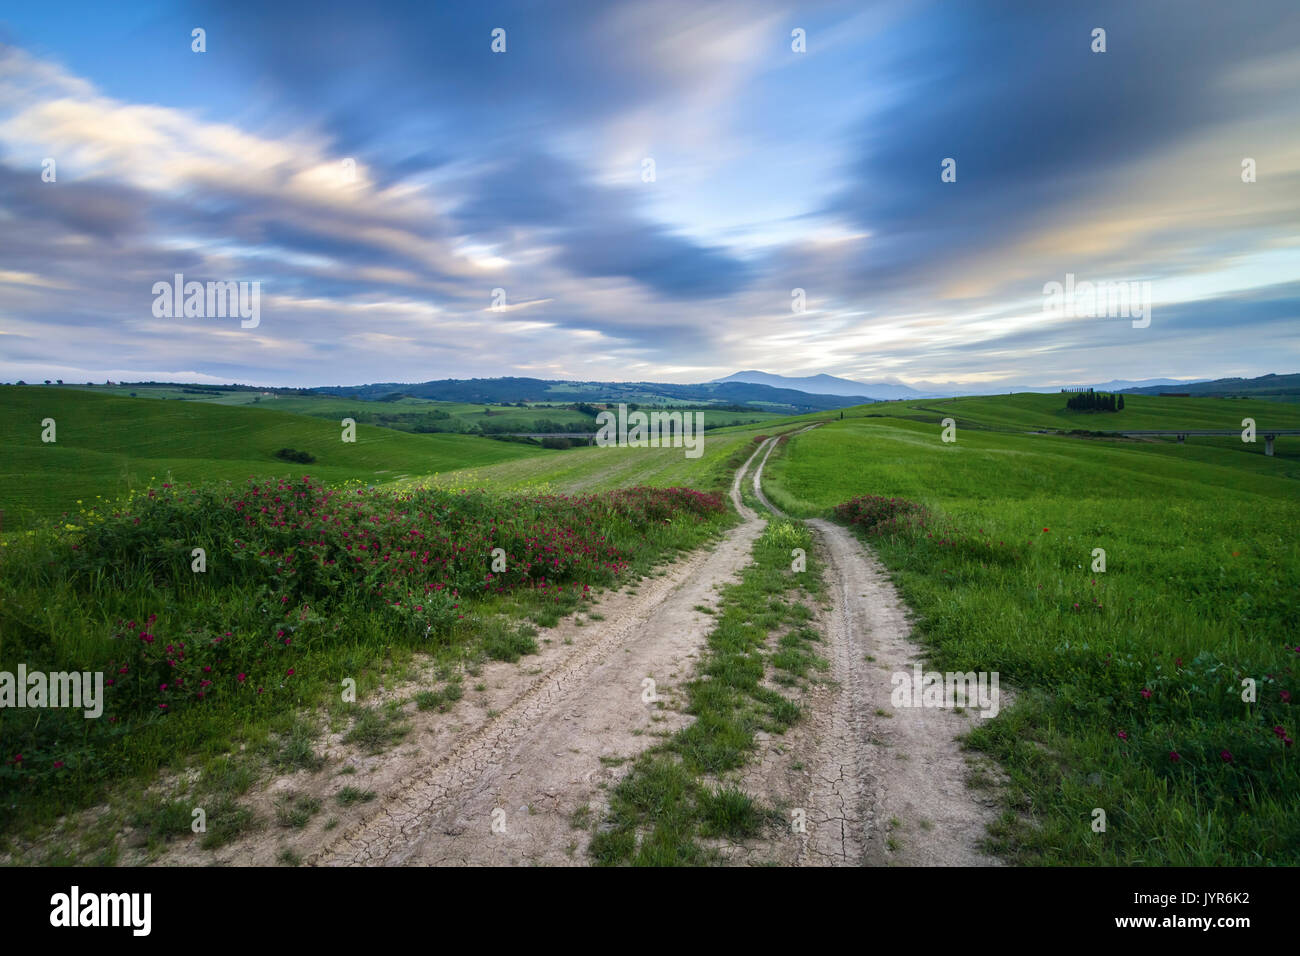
{"x": 677, "y": 802}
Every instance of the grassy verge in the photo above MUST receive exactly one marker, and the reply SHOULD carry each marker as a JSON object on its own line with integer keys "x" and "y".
{"x": 309, "y": 599}
{"x": 678, "y": 796}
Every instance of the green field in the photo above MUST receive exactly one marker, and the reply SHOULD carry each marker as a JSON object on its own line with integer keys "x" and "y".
{"x": 1127, "y": 682}
{"x": 1198, "y": 593}
{"x": 600, "y": 469}
{"x": 408, "y": 413}
{"x": 109, "y": 446}
{"x": 1029, "y": 411}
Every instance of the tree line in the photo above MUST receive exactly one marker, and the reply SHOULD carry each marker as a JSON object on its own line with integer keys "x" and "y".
{"x": 1090, "y": 401}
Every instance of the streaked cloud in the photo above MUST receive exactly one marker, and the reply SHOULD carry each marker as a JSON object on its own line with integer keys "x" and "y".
{"x": 381, "y": 172}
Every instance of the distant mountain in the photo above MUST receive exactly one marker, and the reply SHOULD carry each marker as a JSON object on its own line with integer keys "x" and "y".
{"x": 947, "y": 389}
{"x": 887, "y": 391}
{"x": 499, "y": 390}
{"x": 769, "y": 392}
{"x": 830, "y": 385}
{"x": 1265, "y": 386}
{"x": 1120, "y": 385}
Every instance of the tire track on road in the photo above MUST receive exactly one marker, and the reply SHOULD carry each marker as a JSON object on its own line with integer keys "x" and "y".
{"x": 885, "y": 790}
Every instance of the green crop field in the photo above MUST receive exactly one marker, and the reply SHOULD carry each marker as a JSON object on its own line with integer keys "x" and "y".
{"x": 412, "y": 409}
{"x": 406, "y": 414}
{"x": 409, "y": 412}
{"x": 1028, "y": 411}
{"x": 600, "y": 469}
{"x": 108, "y": 446}
{"x": 1128, "y": 680}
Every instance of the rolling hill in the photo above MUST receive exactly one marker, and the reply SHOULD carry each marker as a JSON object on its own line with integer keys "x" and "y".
{"x": 501, "y": 390}
{"x": 1272, "y": 387}
{"x": 109, "y": 446}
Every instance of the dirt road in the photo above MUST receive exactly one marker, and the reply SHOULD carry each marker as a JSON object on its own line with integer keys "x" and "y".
{"x": 886, "y": 785}
{"x": 891, "y": 780}
{"x": 506, "y": 793}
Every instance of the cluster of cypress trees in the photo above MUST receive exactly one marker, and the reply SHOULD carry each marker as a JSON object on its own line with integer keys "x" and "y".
{"x": 1090, "y": 401}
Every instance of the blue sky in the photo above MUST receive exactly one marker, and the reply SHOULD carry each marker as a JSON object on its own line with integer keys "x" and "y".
{"x": 774, "y": 170}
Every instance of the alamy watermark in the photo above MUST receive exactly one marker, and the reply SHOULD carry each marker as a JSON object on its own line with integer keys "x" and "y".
{"x": 652, "y": 430}
{"x": 211, "y": 300}
{"x": 1093, "y": 300}
{"x": 130, "y": 910}
{"x": 79, "y": 690}
{"x": 933, "y": 689}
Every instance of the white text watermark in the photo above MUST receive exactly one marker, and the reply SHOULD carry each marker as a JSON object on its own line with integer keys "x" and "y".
{"x": 78, "y": 690}
{"x": 1099, "y": 299}
{"x": 933, "y": 689}
{"x": 211, "y": 300}
{"x": 652, "y": 430}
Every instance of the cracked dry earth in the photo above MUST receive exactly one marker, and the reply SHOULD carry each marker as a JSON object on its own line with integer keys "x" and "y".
{"x": 886, "y": 790}
{"x": 506, "y": 793}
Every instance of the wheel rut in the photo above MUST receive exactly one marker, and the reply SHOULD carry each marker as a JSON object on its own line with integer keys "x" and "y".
{"x": 885, "y": 785}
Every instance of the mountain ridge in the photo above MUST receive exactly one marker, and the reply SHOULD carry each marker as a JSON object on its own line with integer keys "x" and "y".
{"x": 892, "y": 391}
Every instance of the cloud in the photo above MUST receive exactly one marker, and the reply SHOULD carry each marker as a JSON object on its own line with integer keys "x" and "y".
{"x": 1040, "y": 126}
{"x": 382, "y": 171}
